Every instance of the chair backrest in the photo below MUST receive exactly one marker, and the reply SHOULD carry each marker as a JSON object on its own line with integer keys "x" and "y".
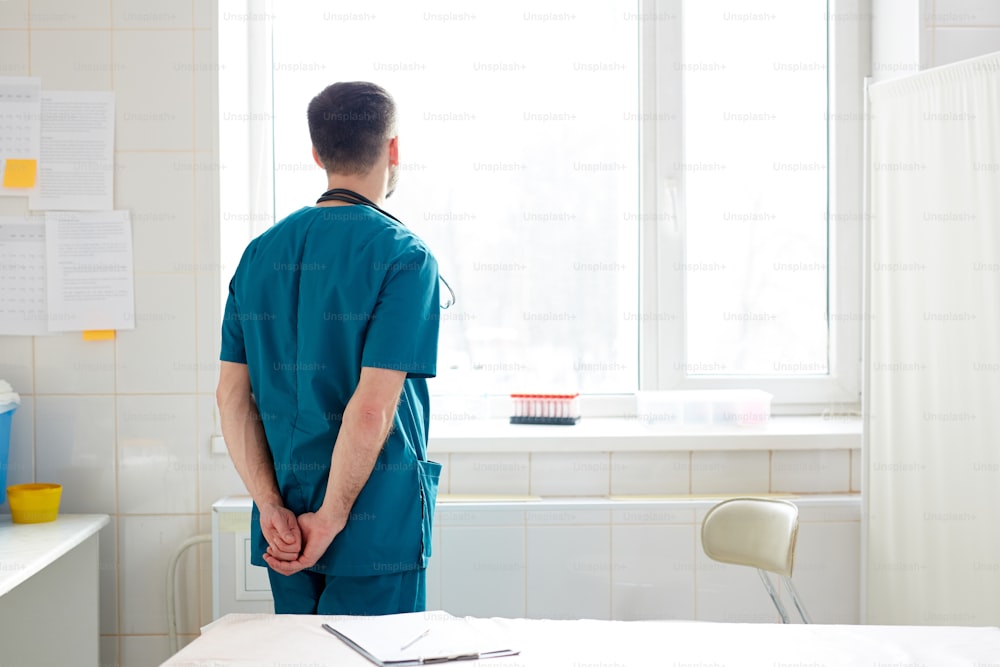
{"x": 759, "y": 532}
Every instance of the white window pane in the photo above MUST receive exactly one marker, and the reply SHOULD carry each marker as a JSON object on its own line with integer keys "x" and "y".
{"x": 755, "y": 105}
{"x": 518, "y": 143}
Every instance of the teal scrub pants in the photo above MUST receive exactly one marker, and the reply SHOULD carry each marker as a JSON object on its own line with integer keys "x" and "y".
{"x": 308, "y": 592}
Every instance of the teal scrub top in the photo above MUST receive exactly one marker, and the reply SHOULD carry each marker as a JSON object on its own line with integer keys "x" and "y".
{"x": 322, "y": 293}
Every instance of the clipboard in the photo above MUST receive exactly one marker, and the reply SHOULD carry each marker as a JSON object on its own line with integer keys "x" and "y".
{"x": 418, "y": 638}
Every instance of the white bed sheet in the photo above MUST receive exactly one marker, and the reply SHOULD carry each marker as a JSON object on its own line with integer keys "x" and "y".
{"x": 258, "y": 640}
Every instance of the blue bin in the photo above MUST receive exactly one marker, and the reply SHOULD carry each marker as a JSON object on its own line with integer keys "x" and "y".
{"x": 4, "y": 451}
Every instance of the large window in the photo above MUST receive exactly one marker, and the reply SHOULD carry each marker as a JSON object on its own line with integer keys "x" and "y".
{"x": 623, "y": 195}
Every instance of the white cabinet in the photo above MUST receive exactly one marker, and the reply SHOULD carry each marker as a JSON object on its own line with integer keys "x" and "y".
{"x": 237, "y": 586}
{"x": 49, "y": 593}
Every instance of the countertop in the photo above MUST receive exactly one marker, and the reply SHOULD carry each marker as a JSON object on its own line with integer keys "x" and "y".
{"x": 28, "y": 548}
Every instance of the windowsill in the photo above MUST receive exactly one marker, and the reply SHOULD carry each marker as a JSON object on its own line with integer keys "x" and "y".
{"x": 612, "y": 434}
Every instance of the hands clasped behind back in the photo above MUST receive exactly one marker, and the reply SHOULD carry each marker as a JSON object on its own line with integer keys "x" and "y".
{"x": 282, "y": 532}
{"x": 296, "y": 543}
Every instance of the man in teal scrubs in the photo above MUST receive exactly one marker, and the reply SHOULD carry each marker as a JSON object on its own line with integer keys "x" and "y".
{"x": 329, "y": 334}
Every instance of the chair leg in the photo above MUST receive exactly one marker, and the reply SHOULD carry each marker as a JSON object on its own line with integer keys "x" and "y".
{"x": 774, "y": 595}
{"x": 798, "y": 602}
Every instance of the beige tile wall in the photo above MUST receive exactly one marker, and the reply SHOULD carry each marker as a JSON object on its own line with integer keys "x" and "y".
{"x": 124, "y": 425}
{"x": 960, "y": 29}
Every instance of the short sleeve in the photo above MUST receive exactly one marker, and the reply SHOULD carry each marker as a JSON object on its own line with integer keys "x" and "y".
{"x": 403, "y": 332}
{"x": 233, "y": 348}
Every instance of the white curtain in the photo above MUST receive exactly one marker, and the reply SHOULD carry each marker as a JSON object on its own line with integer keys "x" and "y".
{"x": 932, "y": 399}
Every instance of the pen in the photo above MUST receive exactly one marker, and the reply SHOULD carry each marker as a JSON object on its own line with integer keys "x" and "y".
{"x": 414, "y": 640}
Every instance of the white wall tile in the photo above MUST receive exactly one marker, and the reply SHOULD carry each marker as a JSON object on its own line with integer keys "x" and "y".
{"x": 856, "y": 470}
{"x": 434, "y": 573}
{"x": 21, "y": 455}
{"x": 451, "y": 515}
{"x": 154, "y": 96}
{"x": 145, "y": 547}
{"x": 158, "y": 355}
{"x": 954, "y": 44}
{"x": 144, "y": 650}
{"x": 965, "y": 12}
{"x": 13, "y": 49}
{"x": 650, "y": 472}
{"x": 217, "y": 476}
{"x": 146, "y": 15}
{"x": 811, "y": 471}
{"x": 209, "y": 275}
{"x": 15, "y": 363}
{"x": 729, "y": 593}
{"x": 205, "y": 582}
{"x": 157, "y": 188}
{"x": 14, "y": 206}
{"x": 730, "y": 472}
{"x": 827, "y": 572}
{"x": 492, "y": 472}
{"x": 13, "y": 15}
{"x": 157, "y": 455}
{"x": 205, "y": 14}
{"x": 208, "y": 337}
{"x": 109, "y": 651}
{"x": 108, "y": 577}
{"x": 75, "y": 447}
{"x": 927, "y": 46}
{"x": 652, "y": 572}
{"x": 444, "y": 482}
{"x": 485, "y": 569}
{"x": 569, "y": 572}
{"x": 844, "y": 509}
{"x": 72, "y": 60}
{"x": 653, "y": 514}
{"x": 206, "y": 70}
{"x": 570, "y": 474}
{"x": 67, "y": 364}
{"x": 583, "y": 515}
{"x": 61, "y": 14}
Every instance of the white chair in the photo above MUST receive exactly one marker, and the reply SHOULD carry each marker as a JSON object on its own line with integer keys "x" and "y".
{"x": 759, "y": 533}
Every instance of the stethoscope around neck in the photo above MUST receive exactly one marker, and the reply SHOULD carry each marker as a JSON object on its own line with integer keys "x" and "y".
{"x": 352, "y": 197}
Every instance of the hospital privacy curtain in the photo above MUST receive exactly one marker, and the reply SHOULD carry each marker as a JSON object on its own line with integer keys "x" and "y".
{"x": 932, "y": 371}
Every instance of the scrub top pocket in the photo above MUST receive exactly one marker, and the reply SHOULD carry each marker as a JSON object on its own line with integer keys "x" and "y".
{"x": 429, "y": 473}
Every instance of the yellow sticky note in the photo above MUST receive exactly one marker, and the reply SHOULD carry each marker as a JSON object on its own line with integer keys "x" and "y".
{"x": 99, "y": 334}
{"x": 20, "y": 173}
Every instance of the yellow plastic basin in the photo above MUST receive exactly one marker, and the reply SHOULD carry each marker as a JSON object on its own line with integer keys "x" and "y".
{"x": 34, "y": 503}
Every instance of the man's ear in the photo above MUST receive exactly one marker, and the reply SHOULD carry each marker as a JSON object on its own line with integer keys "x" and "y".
{"x": 393, "y": 151}
{"x": 316, "y": 158}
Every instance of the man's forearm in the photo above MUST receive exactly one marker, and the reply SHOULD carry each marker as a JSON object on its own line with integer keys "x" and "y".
{"x": 247, "y": 444}
{"x": 362, "y": 435}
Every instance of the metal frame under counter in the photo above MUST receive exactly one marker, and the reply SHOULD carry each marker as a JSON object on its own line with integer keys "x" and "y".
{"x": 50, "y": 592}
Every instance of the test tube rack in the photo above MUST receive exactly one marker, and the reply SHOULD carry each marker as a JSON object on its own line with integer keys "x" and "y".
{"x": 559, "y": 409}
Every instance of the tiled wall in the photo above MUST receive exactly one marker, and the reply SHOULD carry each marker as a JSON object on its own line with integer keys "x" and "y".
{"x": 593, "y": 560}
{"x": 634, "y": 559}
{"x": 554, "y": 475}
{"x": 911, "y": 35}
{"x": 124, "y": 425}
{"x": 958, "y": 29}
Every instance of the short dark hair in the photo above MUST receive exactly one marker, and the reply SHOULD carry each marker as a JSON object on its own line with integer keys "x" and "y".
{"x": 349, "y": 123}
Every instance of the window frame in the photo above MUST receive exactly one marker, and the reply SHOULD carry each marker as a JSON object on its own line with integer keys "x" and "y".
{"x": 660, "y": 193}
{"x": 662, "y": 205}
